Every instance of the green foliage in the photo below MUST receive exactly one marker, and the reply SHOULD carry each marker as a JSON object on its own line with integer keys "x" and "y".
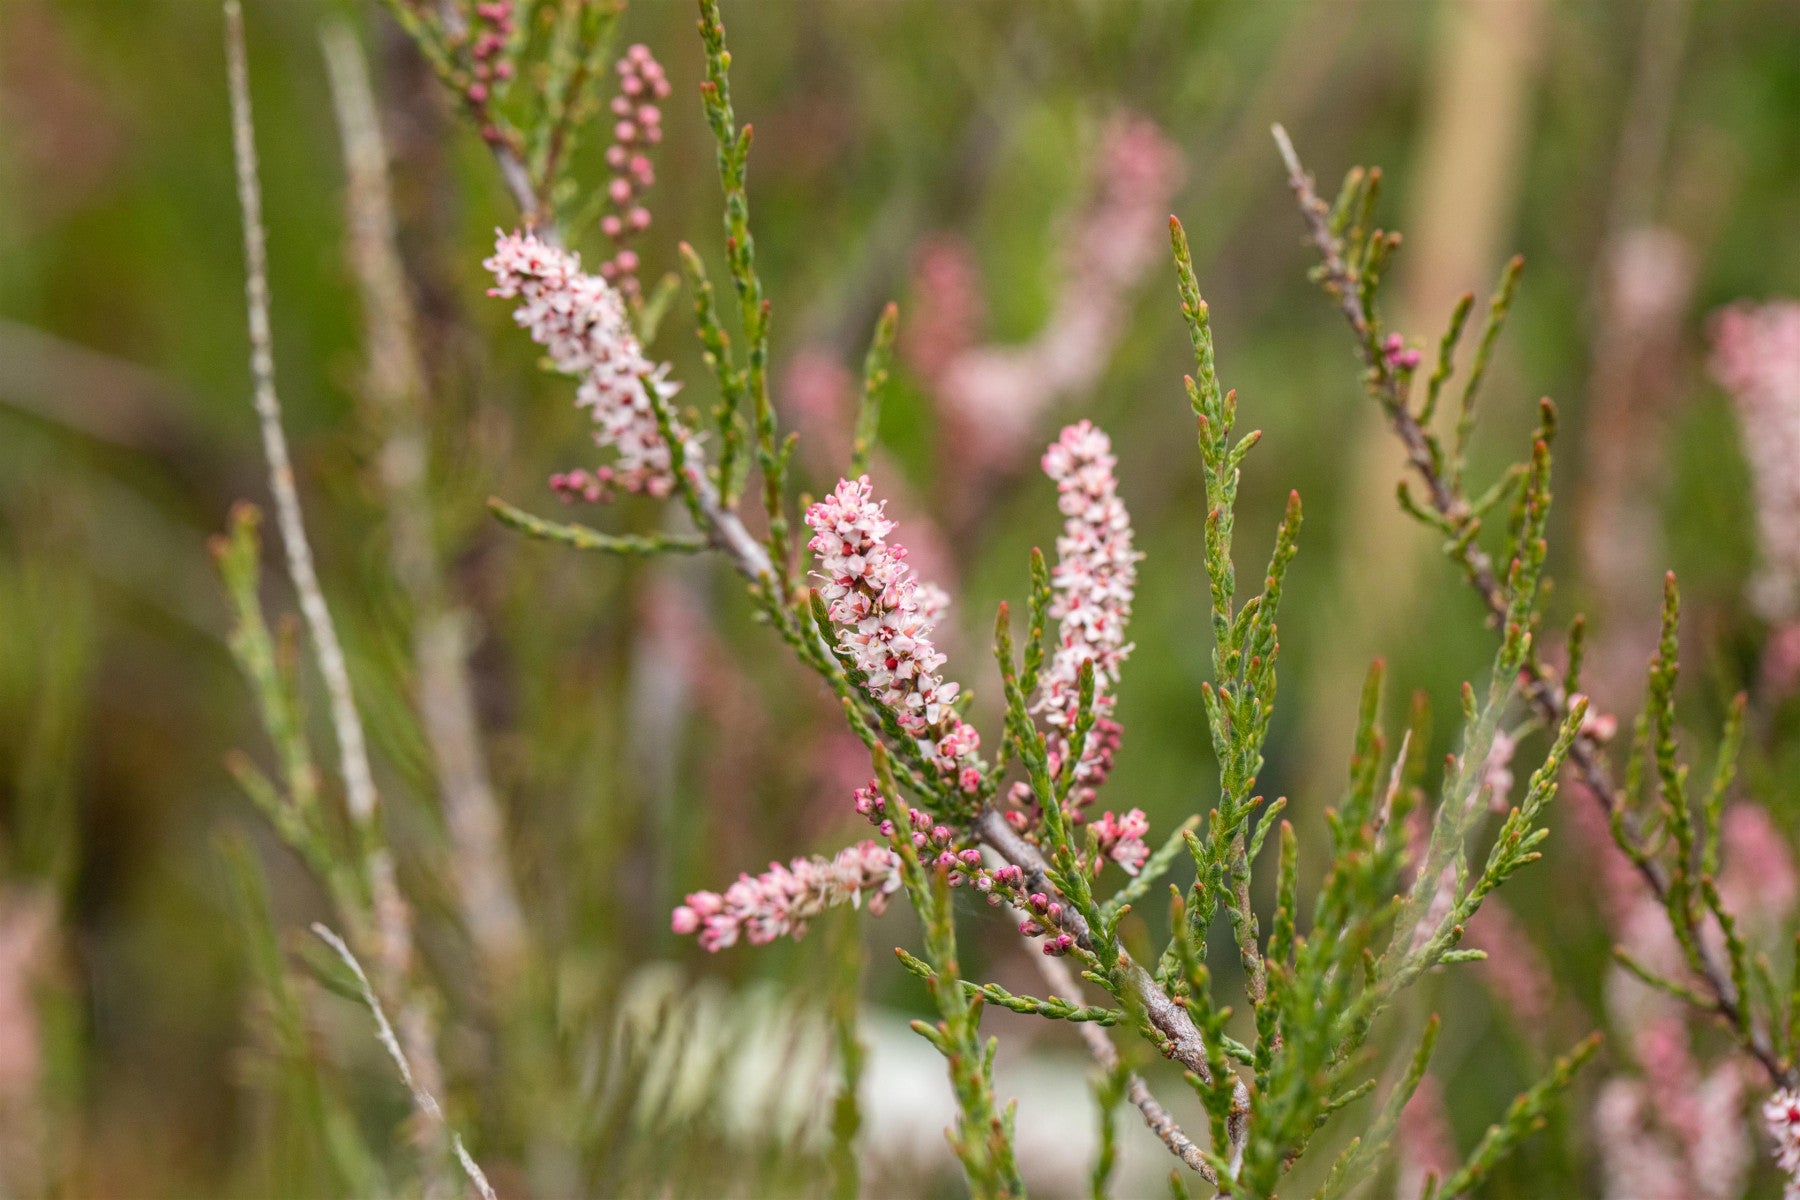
{"x": 583, "y": 538}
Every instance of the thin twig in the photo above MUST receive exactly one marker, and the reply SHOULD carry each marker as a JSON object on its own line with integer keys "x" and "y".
{"x": 1063, "y": 983}
{"x": 422, "y": 1099}
{"x": 584, "y": 537}
{"x": 397, "y": 386}
{"x": 390, "y": 917}
{"x": 359, "y": 782}
{"x": 1542, "y": 689}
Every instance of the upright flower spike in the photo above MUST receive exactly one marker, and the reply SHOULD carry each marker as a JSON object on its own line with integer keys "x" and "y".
{"x": 636, "y": 132}
{"x": 780, "y": 901}
{"x": 1094, "y": 581}
{"x": 581, "y": 322}
{"x": 884, "y": 617}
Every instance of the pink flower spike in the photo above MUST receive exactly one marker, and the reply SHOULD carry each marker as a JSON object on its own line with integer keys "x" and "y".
{"x": 581, "y": 322}
{"x": 1756, "y": 358}
{"x": 1094, "y": 581}
{"x": 779, "y": 902}
{"x": 874, "y": 600}
{"x": 1781, "y": 1116}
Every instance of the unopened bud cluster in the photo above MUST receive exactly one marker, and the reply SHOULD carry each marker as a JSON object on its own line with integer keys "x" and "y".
{"x": 637, "y": 127}
{"x": 489, "y": 66}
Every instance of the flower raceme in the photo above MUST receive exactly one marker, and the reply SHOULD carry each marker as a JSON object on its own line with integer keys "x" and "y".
{"x": 582, "y": 323}
{"x": 1093, "y": 585}
{"x": 884, "y": 618}
{"x": 638, "y": 129}
{"x": 1756, "y": 358}
{"x": 780, "y": 901}
{"x": 1094, "y": 581}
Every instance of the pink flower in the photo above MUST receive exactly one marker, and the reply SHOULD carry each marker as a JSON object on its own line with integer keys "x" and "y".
{"x": 1122, "y": 839}
{"x": 884, "y": 624}
{"x": 991, "y": 395}
{"x": 1756, "y": 357}
{"x": 1094, "y": 581}
{"x": 1781, "y": 1116}
{"x": 1425, "y": 1142}
{"x": 641, "y": 83}
{"x": 582, "y": 324}
{"x": 946, "y": 283}
{"x": 1513, "y": 970}
{"x": 1758, "y": 881}
{"x": 781, "y": 900}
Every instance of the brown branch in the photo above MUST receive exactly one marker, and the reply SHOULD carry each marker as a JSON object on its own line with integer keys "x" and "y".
{"x": 1542, "y": 689}
{"x": 1063, "y": 983}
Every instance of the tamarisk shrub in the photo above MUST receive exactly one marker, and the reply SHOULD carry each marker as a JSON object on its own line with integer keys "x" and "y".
{"x": 1294, "y": 1056}
{"x": 1015, "y": 829}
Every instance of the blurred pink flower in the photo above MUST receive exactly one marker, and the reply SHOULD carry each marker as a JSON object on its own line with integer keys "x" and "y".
{"x": 1496, "y": 772}
{"x": 817, "y": 395}
{"x": 991, "y": 397}
{"x": 948, "y": 309}
{"x": 1513, "y": 970}
{"x": 1781, "y": 661}
{"x": 1756, "y": 357}
{"x": 1424, "y": 1143}
{"x": 1756, "y": 875}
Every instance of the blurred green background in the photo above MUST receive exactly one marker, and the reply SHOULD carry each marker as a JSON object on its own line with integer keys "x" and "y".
{"x": 1576, "y": 134}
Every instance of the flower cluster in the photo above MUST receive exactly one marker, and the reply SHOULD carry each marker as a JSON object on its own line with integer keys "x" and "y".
{"x": 642, "y": 85}
{"x": 1496, "y": 771}
{"x": 1045, "y": 921}
{"x": 780, "y": 901}
{"x": 1781, "y": 1115}
{"x": 1094, "y": 580}
{"x": 1122, "y": 839}
{"x": 581, "y": 322}
{"x": 489, "y": 66}
{"x": 936, "y": 843}
{"x": 1756, "y": 357}
{"x": 1399, "y": 356}
{"x": 494, "y": 25}
{"x": 884, "y": 619}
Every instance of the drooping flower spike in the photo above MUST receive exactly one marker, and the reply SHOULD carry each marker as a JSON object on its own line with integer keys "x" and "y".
{"x": 582, "y": 323}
